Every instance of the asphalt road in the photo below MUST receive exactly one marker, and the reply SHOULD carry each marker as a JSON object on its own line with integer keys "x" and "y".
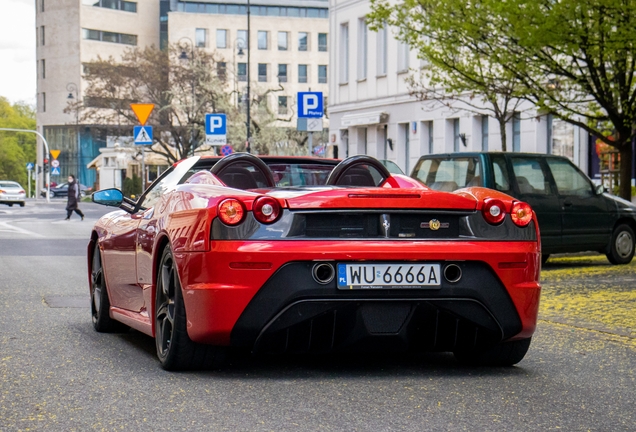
{"x": 57, "y": 374}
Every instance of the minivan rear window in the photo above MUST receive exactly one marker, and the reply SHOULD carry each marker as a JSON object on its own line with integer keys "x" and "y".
{"x": 449, "y": 174}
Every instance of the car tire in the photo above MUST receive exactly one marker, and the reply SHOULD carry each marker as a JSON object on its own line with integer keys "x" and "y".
{"x": 22, "y": 204}
{"x": 503, "y": 354}
{"x": 621, "y": 249}
{"x": 10, "y": 204}
{"x": 175, "y": 350}
{"x": 100, "y": 305}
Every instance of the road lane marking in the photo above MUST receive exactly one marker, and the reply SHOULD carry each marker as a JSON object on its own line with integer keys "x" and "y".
{"x": 5, "y": 227}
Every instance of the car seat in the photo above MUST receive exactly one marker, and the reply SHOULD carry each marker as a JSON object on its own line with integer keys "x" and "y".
{"x": 238, "y": 178}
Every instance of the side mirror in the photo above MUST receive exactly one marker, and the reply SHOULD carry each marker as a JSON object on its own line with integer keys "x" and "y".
{"x": 108, "y": 197}
{"x": 599, "y": 189}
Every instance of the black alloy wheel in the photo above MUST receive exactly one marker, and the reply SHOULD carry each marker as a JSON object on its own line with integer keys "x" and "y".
{"x": 100, "y": 305}
{"x": 622, "y": 245}
{"x": 175, "y": 349}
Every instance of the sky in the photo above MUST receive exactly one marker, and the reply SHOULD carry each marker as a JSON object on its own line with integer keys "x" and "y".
{"x": 17, "y": 51}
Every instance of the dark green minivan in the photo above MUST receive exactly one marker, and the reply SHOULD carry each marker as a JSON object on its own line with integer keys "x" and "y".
{"x": 574, "y": 214}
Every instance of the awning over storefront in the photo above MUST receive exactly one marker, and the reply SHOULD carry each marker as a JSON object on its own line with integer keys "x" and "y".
{"x": 361, "y": 119}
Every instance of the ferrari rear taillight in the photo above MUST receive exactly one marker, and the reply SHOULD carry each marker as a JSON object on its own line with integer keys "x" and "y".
{"x": 494, "y": 211}
{"x": 521, "y": 213}
{"x": 266, "y": 209}
{"x": 231, "y": 211}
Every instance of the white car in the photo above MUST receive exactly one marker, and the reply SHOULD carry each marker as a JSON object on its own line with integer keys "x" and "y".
{"x": 11, "y": 193}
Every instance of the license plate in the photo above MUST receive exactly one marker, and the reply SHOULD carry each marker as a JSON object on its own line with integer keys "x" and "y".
{"x": 387, "y": 276}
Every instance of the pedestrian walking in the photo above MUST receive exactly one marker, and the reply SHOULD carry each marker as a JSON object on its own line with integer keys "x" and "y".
{"x": 73, "y": 198}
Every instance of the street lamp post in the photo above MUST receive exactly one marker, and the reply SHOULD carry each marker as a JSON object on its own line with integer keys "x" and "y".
{"x": 184, "y": 57}
{"x": 72, "y": 88}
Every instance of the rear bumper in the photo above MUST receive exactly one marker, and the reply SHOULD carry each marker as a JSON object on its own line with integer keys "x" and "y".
{"x": 284, "y": 308}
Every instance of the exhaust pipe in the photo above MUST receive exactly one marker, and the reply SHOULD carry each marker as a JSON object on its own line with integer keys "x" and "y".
{"x": 452, "y": 273}
{"x": 323, "y": 273}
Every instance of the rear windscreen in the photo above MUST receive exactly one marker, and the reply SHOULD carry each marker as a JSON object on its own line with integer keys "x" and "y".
{"x": 308, "y": 174}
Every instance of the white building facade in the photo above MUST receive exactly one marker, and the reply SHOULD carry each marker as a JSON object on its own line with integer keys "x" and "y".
{"x": 371, "y": 111}
{"x": 288, "y": 44}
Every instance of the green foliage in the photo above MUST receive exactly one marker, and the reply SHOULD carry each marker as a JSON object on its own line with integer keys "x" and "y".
{"x": 132, "y": 186}
{"x": 16, "y": 148}
{"x": 574, "y": 59}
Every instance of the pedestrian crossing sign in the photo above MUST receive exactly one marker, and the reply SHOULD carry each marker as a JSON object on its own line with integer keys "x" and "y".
{"x": 143, "y": 135}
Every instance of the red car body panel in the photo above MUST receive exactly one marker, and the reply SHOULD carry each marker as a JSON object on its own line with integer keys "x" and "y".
{"x": 219, "y": 278}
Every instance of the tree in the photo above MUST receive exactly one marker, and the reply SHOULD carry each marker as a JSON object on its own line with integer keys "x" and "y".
{"x": 574, "y": 59}
{"x": 455, "y": 75}
{"x": 16, "y": 148}
{"x": 184, "y": 86}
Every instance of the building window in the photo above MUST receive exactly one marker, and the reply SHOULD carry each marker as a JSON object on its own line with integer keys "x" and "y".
{"x": 362, "y": 49}
{"x": 302, "y": 74}
{"x": 236, "y": 9}
{"x": 201, "y": 37}
{"x": 221, "y": 38}
{"x": 282, "y": 73}
{"x": 303, "y": 40}
{"x": 431, "y": 138}
{"x": 550, "y": 121}
{"x": 484, "y": 133}
{"x": 42, "y": 38}
{"x": 381, "y": 51}
{"x": 322, "y": 74}
{"x": 242, "y": 71}
{"x": 516, "y": 132}
{"x": 262, "y": 40}
{"x": 322, "y": 42}
{"x": 43, "y": 63}
{"x": 41, "y": 5}
{"x": 344, "y": 54}
{"x": 456, "y": 135}
{"x": 221, "y": 70}
{"x": 241, "y": 38}
{"x": 43, "y": 102}
{"x": 403, "y": 57}
{"x": 282, "y": 105}
{"x": 283, "y": 41}
{"x": 105, "y": 36}
{"x": 262, "y": 72}
{"x": 122, "y": 5}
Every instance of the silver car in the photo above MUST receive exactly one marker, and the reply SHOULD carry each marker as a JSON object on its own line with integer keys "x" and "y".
{"x": 11, "y": 193}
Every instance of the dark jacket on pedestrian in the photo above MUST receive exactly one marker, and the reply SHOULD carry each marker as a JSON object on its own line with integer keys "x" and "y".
{"x": 73, "y": 196}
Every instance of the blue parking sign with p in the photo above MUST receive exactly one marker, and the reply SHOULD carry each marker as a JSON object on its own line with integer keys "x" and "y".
{"x": 215, "y": 124}
{"x": 310, "y": 105}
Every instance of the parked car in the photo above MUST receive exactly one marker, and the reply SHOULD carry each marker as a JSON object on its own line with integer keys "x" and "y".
{"x": 306, "y": 255}
{"x": 61, "y": 190}
{"x": 574, "y": 214}
{"x": 11, "y": 193}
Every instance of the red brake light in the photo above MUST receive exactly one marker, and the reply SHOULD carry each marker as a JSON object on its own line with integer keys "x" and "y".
{"x": 521, "y": 213}
{"x": 494, "y": 211}
{"x": 266, "y": 209}
{"x": 21, "y": 191}
{"x": 231, "y": 211}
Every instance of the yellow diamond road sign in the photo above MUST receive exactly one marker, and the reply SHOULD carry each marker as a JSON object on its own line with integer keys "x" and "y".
{"x": 55, "y": 153}
{"x": 142, "y": 111}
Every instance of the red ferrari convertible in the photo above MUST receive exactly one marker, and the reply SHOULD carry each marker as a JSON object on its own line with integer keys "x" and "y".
{"x": 277, "y": 254}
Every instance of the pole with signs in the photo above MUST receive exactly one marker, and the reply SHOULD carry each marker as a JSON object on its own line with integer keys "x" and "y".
{"x": 29, "y": 167}
{"x": 142, "y": 135}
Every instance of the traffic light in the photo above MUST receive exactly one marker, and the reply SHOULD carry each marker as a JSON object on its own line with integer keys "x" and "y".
{"x": 46, "y": 165}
